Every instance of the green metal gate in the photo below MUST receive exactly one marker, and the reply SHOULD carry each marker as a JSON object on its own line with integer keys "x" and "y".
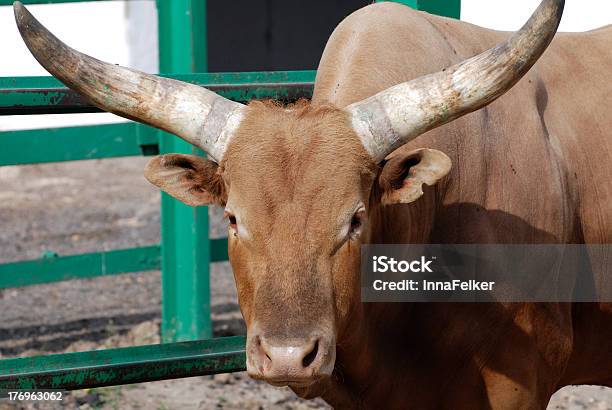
{"x": 185, "y": 252}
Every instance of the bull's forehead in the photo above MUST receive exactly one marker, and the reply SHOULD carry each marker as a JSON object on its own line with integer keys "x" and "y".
{"x": 304, "y": 162}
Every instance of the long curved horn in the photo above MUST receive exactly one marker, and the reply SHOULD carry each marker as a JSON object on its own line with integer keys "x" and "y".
{"x": 197, "y": 115}
{"x": 399, "y": 114}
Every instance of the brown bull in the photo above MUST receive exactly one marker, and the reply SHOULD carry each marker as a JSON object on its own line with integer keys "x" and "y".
{"x": 304, "y": 186}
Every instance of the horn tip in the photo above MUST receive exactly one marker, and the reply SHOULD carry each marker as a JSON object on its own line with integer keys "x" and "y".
{"x": 18, "y": 7}
{"x": 21, "y": 12}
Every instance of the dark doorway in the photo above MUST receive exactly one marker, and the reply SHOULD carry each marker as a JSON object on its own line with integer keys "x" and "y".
{"x": 265, "y": 35}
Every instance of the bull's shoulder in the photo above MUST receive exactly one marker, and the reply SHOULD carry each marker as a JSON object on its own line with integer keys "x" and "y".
{"x": 594, "y": 46}
{"x": 387, "y": 43}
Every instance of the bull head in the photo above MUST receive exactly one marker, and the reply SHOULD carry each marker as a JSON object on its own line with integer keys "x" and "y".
{"x": 299, "y": 184}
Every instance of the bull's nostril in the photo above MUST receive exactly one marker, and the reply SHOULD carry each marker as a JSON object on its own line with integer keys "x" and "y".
{"x": 310, "y": 357}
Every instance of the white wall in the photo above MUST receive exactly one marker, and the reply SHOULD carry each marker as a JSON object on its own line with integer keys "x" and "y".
{"x": 142, "y": 35}
{"x": 97, "y": 28}
{"x": 125, "y": 34}
{"x": 509, "y": 15}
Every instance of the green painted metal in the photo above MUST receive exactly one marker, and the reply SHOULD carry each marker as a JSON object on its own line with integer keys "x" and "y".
{"x": 44, "y": 95}
{"x": 251, "y": 78}
{"x": 44, "y": 101}
{"x": 43, "y": 81}
{"x": 53, "y": 268}
{"x": 77, "y": 143}
{"x": 448, "y": 8}
{"x": 185, "y": 242}
{"x": 70, "y": 371}
{"x": 218, "y": 250}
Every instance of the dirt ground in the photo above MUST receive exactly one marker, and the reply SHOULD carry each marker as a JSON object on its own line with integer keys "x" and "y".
{"x": 101, "y": 205}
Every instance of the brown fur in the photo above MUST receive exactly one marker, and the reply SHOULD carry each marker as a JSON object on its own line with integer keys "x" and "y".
{"x": 270, "y": 161}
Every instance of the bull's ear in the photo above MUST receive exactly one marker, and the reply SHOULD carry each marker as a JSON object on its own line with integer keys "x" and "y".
{"x": 191, "y": 179}
{"x": 403, "y": 175}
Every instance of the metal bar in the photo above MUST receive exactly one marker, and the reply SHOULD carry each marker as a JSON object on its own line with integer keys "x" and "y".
{"x": 185, "y": 243}
{"x": 42, "y": 95}
{"x": 204, "y": 79}
{"x": 218, "y": 250}
{"x": 88, "y": 265}
{"x": 77, "y": 143}
{"x": 448, "y": 8}
{"x": 43, "y": 101}
{"x": 71, "y": 371}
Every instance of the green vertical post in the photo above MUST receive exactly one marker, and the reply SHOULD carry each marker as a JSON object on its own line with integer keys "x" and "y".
{"x": 448, "y": 8}
{"x": 184, "y": 230}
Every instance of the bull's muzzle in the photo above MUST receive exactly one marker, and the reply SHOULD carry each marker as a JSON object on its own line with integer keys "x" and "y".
{"x": 295, "y": 363}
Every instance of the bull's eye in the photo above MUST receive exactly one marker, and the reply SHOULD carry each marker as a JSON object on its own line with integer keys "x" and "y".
{"x": 231, "y": 218}
{"x": 356, "y": 223}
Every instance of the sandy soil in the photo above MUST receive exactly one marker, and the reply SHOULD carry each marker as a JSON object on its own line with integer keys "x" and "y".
{"x": 101, "y": 205}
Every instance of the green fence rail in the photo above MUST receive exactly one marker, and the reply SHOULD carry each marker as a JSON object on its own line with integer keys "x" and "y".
{"x": 71, "y": 371}
{"x": 82, "y": 266}
{"x": 45, "y": 95}
{"x": 448, "y": 8}
{"x": 56, "y": 268}
{"x": 77, "y": 143}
